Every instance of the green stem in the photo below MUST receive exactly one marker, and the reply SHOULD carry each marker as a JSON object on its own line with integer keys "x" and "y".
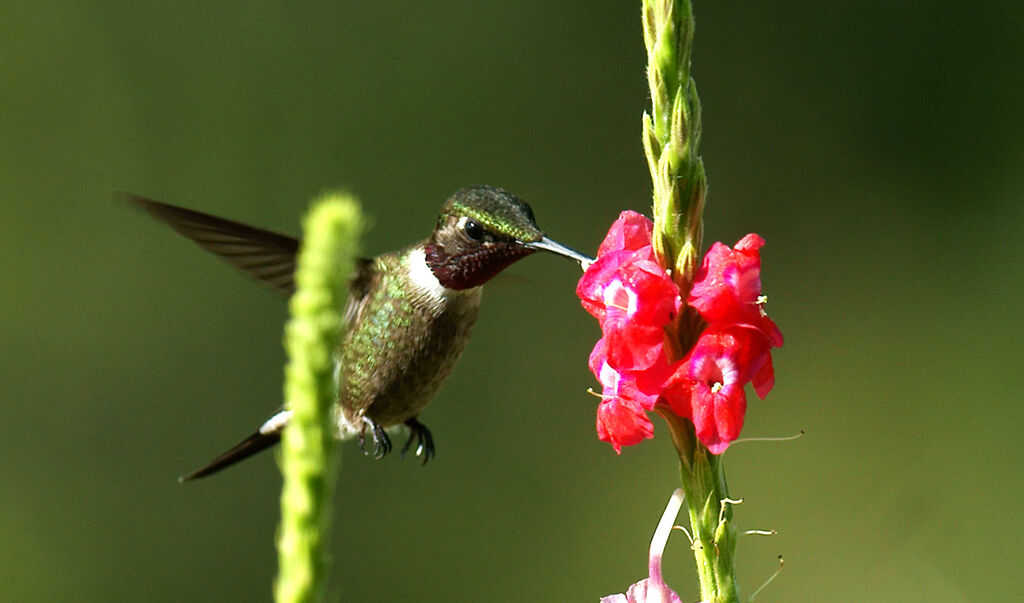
{"x": 671, "y": 136}
{"x": 714, "y": 534}
{"x": 325, "y": 264}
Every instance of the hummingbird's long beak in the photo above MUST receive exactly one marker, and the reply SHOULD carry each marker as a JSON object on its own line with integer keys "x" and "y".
{"x": 547, "y": 244}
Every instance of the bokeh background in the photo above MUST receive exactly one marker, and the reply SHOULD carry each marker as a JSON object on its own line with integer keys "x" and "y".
{"x": 878, "y": 149}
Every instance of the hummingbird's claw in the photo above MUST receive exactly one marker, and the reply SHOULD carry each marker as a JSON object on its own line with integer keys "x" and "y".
{"x": 424, "y": 441}
{"x": 381, "y": 441}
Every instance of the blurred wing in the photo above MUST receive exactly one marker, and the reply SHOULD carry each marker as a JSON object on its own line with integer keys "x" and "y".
{"x": 366, "y": 275}
{"x": 265, "y": 255}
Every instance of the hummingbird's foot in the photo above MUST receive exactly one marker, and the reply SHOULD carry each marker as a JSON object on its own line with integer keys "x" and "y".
{"x": 381, "y": 441}
{"x": 424, "y": 441}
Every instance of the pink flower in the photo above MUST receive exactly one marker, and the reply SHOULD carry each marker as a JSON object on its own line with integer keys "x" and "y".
{"x": 708, "y": 384}
{"x": 640, "y": 386}
{"x": 626, "y": 395}
{"x": 630, "y": 231}
{"x": 653, "y": 589}
{"x": 622, "y": 422}
{"x": 645, "y": 591}
{"x": 727, "y": 287}
{"x": 634, "y": 299}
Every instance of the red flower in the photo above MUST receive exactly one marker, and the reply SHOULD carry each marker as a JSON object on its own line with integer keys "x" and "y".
{"x": 634, "y": 299}
{"x": 708, "y": 384}
{"x": 622, "y": 422}
{"x": 734, "y": 350}
{"x": 727, "y": 287}
{"x": 626, "y": 395}
{"x": 630, "y": 231}
{"x": 630, "y": 294}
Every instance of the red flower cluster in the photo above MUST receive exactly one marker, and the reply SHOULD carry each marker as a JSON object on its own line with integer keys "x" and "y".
{"x": 634, "y": 298}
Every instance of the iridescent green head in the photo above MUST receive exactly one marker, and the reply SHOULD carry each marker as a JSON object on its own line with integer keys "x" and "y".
{"x": 481, "y": 231}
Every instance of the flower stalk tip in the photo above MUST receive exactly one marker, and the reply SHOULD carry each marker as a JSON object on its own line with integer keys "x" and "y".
{"x": 671, "y": 136}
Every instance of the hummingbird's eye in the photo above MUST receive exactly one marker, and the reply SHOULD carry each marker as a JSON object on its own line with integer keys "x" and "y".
{"x": 473, "y": 229}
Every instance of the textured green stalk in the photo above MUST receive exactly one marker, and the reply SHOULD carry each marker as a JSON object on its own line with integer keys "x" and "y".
{"x": 325, "y": 264}
{"x": 671, "y": 135}
{"x": 714, "y": 535}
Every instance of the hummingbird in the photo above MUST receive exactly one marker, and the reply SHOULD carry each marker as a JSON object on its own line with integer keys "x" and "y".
{"x": 409, "y": 312}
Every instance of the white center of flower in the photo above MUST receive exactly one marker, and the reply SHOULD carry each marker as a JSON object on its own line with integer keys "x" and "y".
{"x": 730, "y": 371}
{"x": 609, "y": 377}
{"x": 715, "y": 371}
{"x": 617, "y": 295}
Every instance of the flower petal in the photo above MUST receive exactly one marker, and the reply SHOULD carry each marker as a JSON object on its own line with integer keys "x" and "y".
{"x": 596, "y": 278}
{"x": 622, "y": 422}
{"x": 710, "y": 381}
{"x": 630, "y": 231}
{"x": 727, "y": 287}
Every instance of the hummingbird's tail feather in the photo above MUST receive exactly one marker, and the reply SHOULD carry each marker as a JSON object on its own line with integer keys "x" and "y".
{"x": 257, "y": 442}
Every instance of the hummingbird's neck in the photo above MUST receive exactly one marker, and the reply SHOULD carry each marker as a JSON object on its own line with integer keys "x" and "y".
{"x": 429, "y": 293}
{"x": 471, "y": 267}
{"x": 423, "y": 277}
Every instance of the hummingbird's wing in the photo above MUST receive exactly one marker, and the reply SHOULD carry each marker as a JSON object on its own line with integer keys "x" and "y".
{"x": 265, "y": 255}
{"x": 366, "y": 276}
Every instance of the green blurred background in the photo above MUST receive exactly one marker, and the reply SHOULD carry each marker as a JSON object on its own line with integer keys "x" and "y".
{"x": 877, "y": 147}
